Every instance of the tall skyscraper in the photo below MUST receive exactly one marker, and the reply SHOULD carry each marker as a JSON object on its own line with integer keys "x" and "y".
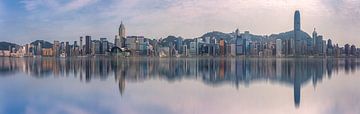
{"x": 88, "y": 45}
{"x": 297, "y": 31}
{"x": 120, "y": 41}
{"x": 297, "y": 24}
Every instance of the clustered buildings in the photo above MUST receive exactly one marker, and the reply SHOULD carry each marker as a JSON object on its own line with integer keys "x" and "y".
{"x": 297, "y": 44}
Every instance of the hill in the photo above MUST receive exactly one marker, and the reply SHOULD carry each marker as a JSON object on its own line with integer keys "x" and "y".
{"x": 44, "y": 44}
{"x": 5, "y": 45}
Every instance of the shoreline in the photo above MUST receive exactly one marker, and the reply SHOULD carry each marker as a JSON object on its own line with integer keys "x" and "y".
{"x": 194, "y": 57}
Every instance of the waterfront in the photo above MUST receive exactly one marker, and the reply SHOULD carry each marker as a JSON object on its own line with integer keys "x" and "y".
{"x": 180, "y": 85}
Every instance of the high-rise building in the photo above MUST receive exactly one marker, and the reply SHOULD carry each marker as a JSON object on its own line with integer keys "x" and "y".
{"x": 119, "y": 41}
{"x": 104, "y": 45}
{"x": 353, "y": 50}
{"x": 67, "y": 49}
{"x": 319, "y": 44}
{"x": 222, "y": 46}
{"x": 297, "y": 31}
{"x": 88, "y": 43}
{"x": 193, "y": 48}
{"x": 56, "y": 49}
{"x": 240, "y": 45}
{"x": 297, "y": 24}
{"x": 324, "y": 47}
{"x": 329, "y": 44}
{"x": 278, "y": 48}
{"x": 75, "y": 49}
{"x": 314, "y": 36}
{"x": 347, "y": 49}
{"x": 81, "y": 50}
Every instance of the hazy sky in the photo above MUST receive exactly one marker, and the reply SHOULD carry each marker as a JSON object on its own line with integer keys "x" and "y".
{"x": 22, "y": 21}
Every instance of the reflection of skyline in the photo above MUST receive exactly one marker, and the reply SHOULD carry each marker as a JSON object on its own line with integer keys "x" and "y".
{"x": 212, "y": 72}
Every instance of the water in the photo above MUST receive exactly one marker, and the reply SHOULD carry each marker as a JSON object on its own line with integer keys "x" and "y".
{"x": 180, "y": 86}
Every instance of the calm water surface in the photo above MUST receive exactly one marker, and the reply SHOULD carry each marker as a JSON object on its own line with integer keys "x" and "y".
{"x": 180, "y": 86}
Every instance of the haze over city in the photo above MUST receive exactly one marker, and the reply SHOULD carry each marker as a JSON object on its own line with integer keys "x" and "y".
{"x": 27, "y": 20}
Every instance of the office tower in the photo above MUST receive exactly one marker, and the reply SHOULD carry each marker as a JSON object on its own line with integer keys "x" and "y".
{"x": 347, "y": 49}
{"x": 179, "y": 44}
{"x": 297, "y": 24}
{"x": 95, "y": 47}
{"x": 297, "y": 31}
{"x": 324, "y": 47}
{"x": 67, "y": 49}
{"x": 329, "y": 44}
{"x": 103, "y": 45}
{"x": 319, "y": 44}
{"x": 56, "y": 49}
{"x": 239, "y": 45}
{"x": 81, "y": 46}
{"x": 222, "y": 47}
{"x": 122, "y": 36}
{"x": 314, "y": 36}
{"x": 88, "y": 43}
{"x": 75, "y": 49}
{"x": 247, "y": 38}
{"x": 353, "y": 50}
{"x": 137, "y": 44}
{"x": 278, "y": 48}
{"x": 193, "y": 48}
{"x": 329, "y": 48}
{"x": 27, "y": 50}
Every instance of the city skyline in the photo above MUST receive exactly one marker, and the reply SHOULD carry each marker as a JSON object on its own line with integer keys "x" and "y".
{"x": 54, "y": 20}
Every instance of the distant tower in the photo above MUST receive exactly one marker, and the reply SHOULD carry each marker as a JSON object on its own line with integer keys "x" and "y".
{"x": 314, "y": 36}
{"x": 88, "y": 46}
{"x": 237, "y": 33}
{"x": 121, "y": 36}
{"x": 81, "y": 45}
{"x": 297, "y": 24}
{"x": 297, "y": 31}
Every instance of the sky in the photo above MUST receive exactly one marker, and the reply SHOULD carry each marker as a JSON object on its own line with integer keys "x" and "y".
{"x": 22, "y": 21}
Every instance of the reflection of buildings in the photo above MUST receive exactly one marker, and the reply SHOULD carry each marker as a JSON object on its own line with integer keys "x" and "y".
{"x": 213, "y": 72}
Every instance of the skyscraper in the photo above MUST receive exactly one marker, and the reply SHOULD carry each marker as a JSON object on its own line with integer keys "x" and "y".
{"x": 120, "y": 41}
{"x": 88, "y": 45}
{"x": 278, "y": 48}
{"x": 67, "y": 49}
{"x": 56, "y": 48}
{"x": 297, "y": 24}
{"x": 314, "y": 36}
{"x": 297, "y": 30}
{"x": 81, "y": 46}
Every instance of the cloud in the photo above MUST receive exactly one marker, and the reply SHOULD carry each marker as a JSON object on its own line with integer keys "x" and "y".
{"x": 188, "y": 18}
{"x": 62, "y": 6}
{"x": 346, "y": 10}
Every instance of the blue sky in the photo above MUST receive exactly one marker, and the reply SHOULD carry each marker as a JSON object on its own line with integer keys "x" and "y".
{"x": 23, "y": 21}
